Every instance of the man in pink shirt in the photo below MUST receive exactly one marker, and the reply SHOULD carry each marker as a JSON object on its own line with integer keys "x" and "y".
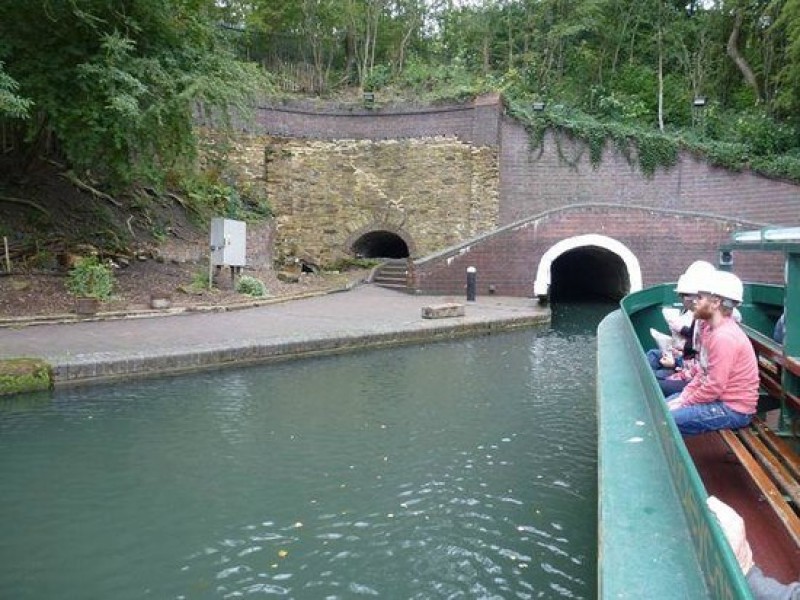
{"x": 724, "y": 392}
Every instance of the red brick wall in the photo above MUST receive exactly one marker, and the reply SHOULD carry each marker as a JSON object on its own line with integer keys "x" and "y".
{"x": 533, "y": 181}
{"x": 474, "y": 122}
{"x": 667, "y": 221}
{"x": 664, "y": 243}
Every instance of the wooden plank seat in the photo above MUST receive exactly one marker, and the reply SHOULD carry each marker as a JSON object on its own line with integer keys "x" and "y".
{"x": 773, "y": 467}
{"x": 771, "y": 364}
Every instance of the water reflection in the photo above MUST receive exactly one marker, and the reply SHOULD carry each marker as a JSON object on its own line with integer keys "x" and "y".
{"x": 460, "y": 469}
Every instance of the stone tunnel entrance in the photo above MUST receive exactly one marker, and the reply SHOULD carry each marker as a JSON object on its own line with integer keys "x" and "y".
{"x": 380, "y": 244}
{"x": 587, "y": 268}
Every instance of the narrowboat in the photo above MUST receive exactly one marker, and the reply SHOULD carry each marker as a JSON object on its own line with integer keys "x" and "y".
{"x": 657, "y": 537}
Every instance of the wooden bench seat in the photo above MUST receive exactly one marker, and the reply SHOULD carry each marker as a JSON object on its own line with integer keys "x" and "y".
{"x": 771, "y": 364}
{"x": 773, "y": 467}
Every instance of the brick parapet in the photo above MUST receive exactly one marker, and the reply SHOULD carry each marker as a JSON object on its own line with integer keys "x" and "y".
{"x": 664, "y": 242}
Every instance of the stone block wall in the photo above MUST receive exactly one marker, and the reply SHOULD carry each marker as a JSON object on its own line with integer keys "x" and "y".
{"x": 434, "y": 191}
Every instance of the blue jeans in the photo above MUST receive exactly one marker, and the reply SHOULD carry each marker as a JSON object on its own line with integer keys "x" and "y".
{"x": 700, "y": 418}
{"x": 670, "y": 387}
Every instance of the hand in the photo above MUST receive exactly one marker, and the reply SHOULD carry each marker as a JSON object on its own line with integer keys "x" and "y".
{"x": 667, "y": 361}
{"x": 675, "y": 404}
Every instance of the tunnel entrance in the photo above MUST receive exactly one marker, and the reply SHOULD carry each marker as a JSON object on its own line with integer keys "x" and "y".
{"x": 588, "y": 274}
{"x": 380, "y": 244}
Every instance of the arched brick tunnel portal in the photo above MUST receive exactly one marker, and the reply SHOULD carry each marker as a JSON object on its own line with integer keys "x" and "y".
{"x": 380, "y": 244}
{"x": 589, "y": 268}
{"x": 588, "y": 274}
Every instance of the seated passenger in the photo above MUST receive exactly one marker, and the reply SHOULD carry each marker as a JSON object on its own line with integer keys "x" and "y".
{"x": 761, "y": 586}
{"x": 723, "y": 392}
{"x": 671, "y": 368}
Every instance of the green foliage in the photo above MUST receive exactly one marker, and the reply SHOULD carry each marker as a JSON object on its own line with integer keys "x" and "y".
{"x": 23, "y": 375}
{"x": 348, "y": 263}
{"x": 201, "y": 281}
{"x": 431, "y": 82}
{"x": 251, "y": 286}
{"x": 212, "y": 197}
{"x": 91, "y": 279}
{"x": 787, "y": 99}
{"x": 119, "y": 89}
{"x": 11, "y": 103}
{"x": 758, "y": 132}
{"x": 656, "y": 151}
{"x": 752, "y": 148}
{"x": 379, "y": 77}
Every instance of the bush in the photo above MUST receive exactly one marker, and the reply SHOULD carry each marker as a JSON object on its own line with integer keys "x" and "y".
{"x": 347, "y": 263}
{"x": 251, "y": 286}
{"x": 91, "y": 279}
{"x": 201, "y": 281}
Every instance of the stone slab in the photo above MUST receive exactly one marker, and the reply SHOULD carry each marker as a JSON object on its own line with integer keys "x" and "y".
{"x": 443, "y": 311}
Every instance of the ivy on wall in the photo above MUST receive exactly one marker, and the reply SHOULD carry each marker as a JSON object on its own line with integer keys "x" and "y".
{"x": 646, "y": 149}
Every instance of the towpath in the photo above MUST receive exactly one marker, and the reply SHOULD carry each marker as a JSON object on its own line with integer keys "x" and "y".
{"x": 366, "y": 316}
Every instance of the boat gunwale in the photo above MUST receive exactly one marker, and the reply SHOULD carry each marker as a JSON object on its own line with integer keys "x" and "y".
{"x": 716, "y": 561}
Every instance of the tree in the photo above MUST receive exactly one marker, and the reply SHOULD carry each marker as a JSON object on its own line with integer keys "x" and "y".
{"x": 788, "y": 77}
{"x": 114, "y": 86}
{"x": 11, "y": 103}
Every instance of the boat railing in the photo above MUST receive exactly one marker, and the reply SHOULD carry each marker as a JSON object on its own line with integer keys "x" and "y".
{"x": 714, "y": 563}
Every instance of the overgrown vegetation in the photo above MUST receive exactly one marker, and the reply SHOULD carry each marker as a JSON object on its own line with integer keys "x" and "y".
{"x": 113, "y": 92}
{"x": 251, "y": 286}
{"x": 90, "y": 278}
{"x": 346, "y": 264}
{"x": 650, "y": 77}
{"x": 23, "y": 375}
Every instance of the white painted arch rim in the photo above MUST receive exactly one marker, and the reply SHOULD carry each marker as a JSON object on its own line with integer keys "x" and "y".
{"x": 541, "y": 284}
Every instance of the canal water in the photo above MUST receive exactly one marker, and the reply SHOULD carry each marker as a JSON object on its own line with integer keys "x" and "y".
{"x": 463, "y": 469}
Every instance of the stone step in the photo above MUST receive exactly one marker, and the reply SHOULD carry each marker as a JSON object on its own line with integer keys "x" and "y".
{"x": 390, "y": 277}
{"x": 394, "y": 286}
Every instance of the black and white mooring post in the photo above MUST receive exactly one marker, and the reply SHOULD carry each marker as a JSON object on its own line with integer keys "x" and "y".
{"x": 472, "y": 283}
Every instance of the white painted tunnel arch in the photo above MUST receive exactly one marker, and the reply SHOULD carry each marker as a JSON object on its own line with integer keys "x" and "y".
{"x": 542, "y": 283}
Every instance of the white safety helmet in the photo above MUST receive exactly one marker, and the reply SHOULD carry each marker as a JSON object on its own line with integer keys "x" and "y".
{"x": 687, "y": 284}
{"x": 699, "y": 269}
{"x": 724, "y": 284}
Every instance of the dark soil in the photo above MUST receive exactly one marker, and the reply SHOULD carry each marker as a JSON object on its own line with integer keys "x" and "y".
{"x": 49, "y": 220}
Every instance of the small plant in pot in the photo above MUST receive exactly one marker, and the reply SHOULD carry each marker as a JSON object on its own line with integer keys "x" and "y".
{"x": 90, "y": 282}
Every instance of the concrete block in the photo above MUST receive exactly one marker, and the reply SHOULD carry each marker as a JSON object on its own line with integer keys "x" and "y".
{"x": 443, "y": 311}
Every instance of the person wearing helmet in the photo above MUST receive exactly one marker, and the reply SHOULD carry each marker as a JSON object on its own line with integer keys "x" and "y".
{"x": 724, "y": 391}
{"x": 671, "y": 367}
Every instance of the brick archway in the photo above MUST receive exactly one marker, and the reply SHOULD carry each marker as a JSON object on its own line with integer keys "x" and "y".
{"x": 541, "y": 284}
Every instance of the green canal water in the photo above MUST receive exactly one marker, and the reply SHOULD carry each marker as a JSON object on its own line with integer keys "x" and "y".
{"x": 446, "y": 470}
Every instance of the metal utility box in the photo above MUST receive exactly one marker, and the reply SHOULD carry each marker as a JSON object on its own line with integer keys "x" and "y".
{"x": 228, "y": 242}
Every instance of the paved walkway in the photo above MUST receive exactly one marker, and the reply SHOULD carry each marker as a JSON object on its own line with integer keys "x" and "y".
{"x": 365, "y": 316}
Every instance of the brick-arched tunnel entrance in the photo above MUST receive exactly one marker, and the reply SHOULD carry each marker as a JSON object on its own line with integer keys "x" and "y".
{"x": 587, "y": 268}
{"x": 588, "y": 274}
{"x": 380, "y": 244}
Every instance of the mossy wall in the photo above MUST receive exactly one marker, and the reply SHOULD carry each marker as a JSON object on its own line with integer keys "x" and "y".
{"x": 19, "y": 375}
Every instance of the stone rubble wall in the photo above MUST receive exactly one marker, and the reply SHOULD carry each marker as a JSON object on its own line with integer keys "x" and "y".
{"x": 326, "y": 193}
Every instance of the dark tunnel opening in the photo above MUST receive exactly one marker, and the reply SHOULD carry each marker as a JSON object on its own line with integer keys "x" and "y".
{"x": 380, "y": 244}
{"x": 588, "y": 274}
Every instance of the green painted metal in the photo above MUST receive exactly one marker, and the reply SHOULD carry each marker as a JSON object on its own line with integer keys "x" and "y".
{"x": 774, "y": 299}
{"x": 657, "y": 538}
